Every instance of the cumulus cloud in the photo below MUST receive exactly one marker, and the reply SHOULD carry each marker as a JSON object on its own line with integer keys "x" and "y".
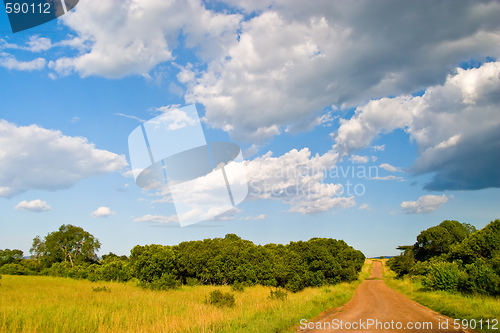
{"x": 34, "y": 44}
{"x": 326, "y": 54}
{"x": 157, "y": 219}
{"x": 389, "y": 167}
{"x": 38, "y": 44}
{"x": 172, "y": 118}
{"x": 102, "y": 212}
{"x": 359, "y": 159}
{"x": 34, "y": 158}
{"x": 378, "y": 148}
{"x": 297, "y": 179}
{"x": 10, "y": 62}
{"x": 36, "y": 206}
{"x": 118, "y": 38}
{"x": 335, "y": 53}
{"x": 456, "y": 127}
{"x": 424, "y": 205}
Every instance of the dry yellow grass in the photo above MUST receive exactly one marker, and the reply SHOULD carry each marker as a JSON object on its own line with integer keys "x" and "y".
{"x": 49, "y": 304}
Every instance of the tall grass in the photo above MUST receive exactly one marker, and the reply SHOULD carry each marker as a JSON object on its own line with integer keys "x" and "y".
{"x": 454, "y": 305}
{"x": 50, "y": 304}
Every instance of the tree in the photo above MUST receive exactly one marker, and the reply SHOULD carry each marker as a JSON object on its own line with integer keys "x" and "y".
{"x": 437, "y": 241}
{"x": 10, "y": 256}
{"x": 69, "y": 243}
{"x": 482, "y": 244}
{"x": 153, "y": 262}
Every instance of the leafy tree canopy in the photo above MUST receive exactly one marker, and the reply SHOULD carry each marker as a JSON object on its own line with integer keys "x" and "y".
{"x": 69, "y": 243}
{"x": 438, "y": 240}
{"x": 10, "y": 256}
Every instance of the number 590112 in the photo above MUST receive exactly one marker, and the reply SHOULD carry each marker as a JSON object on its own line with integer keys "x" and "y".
{"x": 26, "y": 8}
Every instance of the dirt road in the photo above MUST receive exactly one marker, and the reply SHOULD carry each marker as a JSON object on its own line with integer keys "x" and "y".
{"x": 377, "y": 308}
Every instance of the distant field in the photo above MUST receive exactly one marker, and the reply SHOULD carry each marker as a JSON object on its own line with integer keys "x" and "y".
{"x": 49, "y": 304}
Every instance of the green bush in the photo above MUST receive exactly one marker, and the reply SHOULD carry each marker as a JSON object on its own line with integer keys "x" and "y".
{"x": 115, "y": 270}
{"x": 94, "y": 272}
{"x": 166, "y": 282}
{"x": 14, "y": 269}
{"x": 480, "y": 278}
{"x": 401, "y": 265}
{"x": 220, "y": 299}
{"x": 443, "y": 276}
{"x": 238, "y": 286}
{"x": 192, "y": 281}
{"x": 101, "y": 289}
{"x": 420, "y": 268}
{"x": 278, "y": 294}
{"x": 79, "y": 272}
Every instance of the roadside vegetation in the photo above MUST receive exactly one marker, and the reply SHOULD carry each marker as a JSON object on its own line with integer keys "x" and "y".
{"x": 454, "y": 257}
{"x": 453, "y": 269}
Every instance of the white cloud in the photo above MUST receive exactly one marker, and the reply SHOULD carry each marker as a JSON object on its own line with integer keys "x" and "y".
{"x": 228, "y": 215}
{"x": 118, "y": 38}
{"x": 316, "y": 48}
{"x": 377, "y": 117}
{"x": 256, "y": 218}
{"x": 389, "y": 168}
{"x": 10, "y": 62}
{"x": 102, "y": 212}
{"x": 359, "y": 159}
{"x": 36, "y": 206}
{"x": 130, "y": 117}
{"x": 297, "y": 179}
{"x": 34, "y": 158}
{"x": 35, "y": 44}
{"x": 173, "y": 118}
{"x": 456, "y": 127}
{"x": 38, "y": 44}
{"x": 250, "y": 151}
{"x": 378, "y": 148}
{"x": 424, "y": 205}
{"x": 401, "y": 179}
{"x": 308, "y": 124}
{"x": 364, "y": 206}
{"x": 157, "y": 219}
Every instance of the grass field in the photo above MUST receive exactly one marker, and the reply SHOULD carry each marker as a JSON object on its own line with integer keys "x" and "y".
{"x": 50, "y": 304}
{"x": 453, "y": 305}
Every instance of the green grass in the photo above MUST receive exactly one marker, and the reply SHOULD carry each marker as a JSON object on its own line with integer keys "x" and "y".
{"x": 453, "y": 305}
{"x": 50, "y": 304}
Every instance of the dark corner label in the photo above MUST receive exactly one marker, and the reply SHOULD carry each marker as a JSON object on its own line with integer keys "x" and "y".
{"x": 26, "y": 14}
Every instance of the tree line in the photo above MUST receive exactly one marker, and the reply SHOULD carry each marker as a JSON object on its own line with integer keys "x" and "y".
{"x": 455, "y": 257}
{"x": 71, "y": 252}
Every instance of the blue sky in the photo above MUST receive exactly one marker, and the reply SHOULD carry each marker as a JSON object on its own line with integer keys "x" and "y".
{"x": 405, "y": 90}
